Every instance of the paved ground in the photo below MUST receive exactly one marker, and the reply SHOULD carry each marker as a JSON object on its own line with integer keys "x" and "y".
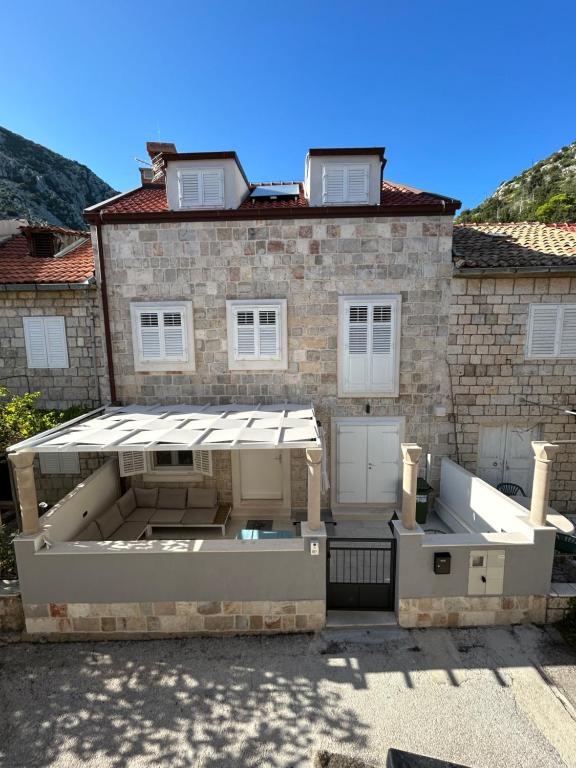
{"x": 484, "y": 698}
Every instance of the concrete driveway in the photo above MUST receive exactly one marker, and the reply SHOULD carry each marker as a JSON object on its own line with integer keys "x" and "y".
{"x": 484, "y": 698}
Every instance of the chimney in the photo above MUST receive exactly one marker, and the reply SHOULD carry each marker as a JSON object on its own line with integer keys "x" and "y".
{"x": 154, "y": 149}
{"x": 146, "y": 175}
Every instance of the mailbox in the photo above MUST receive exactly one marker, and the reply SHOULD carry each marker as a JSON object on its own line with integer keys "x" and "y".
{"x": 442, "y": 562}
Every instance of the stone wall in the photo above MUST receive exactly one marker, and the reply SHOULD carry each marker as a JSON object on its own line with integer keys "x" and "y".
{"x": 469, "y": 611}
{"x": 310, "y": 263}
{"x": 491, "y": 378}
{"x": 85, "y": 381}
{"x": 51, "y": 488}
{"x": 561, "y": 601}
{"x": 174, "y": 618}
{"x": 11, "y": 613}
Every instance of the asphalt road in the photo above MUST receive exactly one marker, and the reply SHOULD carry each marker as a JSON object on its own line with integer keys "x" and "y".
{"x": 483, "y": 698}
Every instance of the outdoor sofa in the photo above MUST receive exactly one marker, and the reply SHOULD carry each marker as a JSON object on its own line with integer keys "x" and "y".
{"x": 141, "y": 509}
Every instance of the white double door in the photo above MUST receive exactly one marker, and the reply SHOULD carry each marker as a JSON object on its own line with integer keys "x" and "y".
{"x": 368, "y": 463}
{"x": 505, "y": 455}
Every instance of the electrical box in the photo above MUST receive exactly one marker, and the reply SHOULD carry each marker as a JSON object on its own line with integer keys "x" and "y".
{"x": 442, "y": 562}
{"x": 486, "y": 572}
{"x": 314, "y": 547}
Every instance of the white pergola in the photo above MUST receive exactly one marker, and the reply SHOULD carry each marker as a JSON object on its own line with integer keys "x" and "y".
{"x": 137, "y": 428}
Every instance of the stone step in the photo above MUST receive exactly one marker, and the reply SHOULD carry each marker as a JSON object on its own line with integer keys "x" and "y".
{"x": 360, "y": 619}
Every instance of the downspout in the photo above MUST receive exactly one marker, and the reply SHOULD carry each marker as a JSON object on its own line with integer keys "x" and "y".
{"x": 106, "y": 313}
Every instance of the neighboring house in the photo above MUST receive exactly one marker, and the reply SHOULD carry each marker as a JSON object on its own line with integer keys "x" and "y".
{"x": 512, "y": 351}
{"x": 50, "y": 329}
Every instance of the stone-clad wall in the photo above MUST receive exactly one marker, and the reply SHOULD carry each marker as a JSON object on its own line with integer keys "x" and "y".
{"x": 311, "y": 263}
{"x": 53, "y": 487}
{"x": 85, "y": 381}
{"x": 491, "y": 376}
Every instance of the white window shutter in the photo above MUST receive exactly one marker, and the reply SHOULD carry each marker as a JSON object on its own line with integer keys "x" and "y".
{"x": 333, "y": 184}
{"x": 69, "y": 463}
{"x": 269, "y": 332}
{"x": 369, "y": 339}
{"x": 149, "y": 335}
{"x": 55, "y": 329}
{"x": 189, "y": 188}
{"x": 356, "y": 347}
{"x": 174, "y": 338}
{"x": 132, "y": 463}
{"x": 203, "y": 462}
{"x": 245, "y": 332}
{"x": 213, "y": 188}
{"x": 357, "y": 184}
{"x": 59, "y": 463}
{"x": 35, "y": 339}
{"x": 382, "y": 343}
{"x": 49, "y": 463}
{"x": 568, "y": 332}
{"x": 542, "y": 332}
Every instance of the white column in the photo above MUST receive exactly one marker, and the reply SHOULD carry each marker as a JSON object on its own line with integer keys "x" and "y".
{"x": 544, "y": 454}
{"x": 411, "y": 454}
{"x": 314, "y": 462}
{"x": 23, "y": 464}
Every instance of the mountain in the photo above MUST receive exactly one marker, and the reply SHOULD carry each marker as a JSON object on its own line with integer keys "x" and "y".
{"x": 44, "y": 187}
{"x": 545, "y": 192}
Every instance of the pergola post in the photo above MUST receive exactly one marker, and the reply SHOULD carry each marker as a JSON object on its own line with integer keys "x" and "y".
{"x": 544, "y": 454}
{"x": 314, "y": 462}
{"x": 23, "y": 464}
{"x": 411, "y": 455}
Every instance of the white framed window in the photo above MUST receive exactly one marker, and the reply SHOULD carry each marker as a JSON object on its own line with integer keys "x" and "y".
{"x": 59, "y": 463}
{"x": 347, "y": 183}
{"x": 551, "y": 331}
{"x": 163, "y": 336}
{"x": 257, "y": 335}
{"x": 201, "y": 188}
{"x": 165, "y": 464}
{"x": 45, "y": 339}
{"x": 369, "y": 346}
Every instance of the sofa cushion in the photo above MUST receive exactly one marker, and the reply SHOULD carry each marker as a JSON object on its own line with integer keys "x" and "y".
{"x": 109, "y": 521}
{"x": 146, "y": 497}
{"x": 129, "y": 532}
{"x": 90, "y": 533}
{"x": 167, "y": 517}
{"x": 199, "y": 516}
{"x": 141, "y": 515}
{"x": 202, "y": 497}
{"x": 171, "y": 498}
{"x": 127, "y": 503}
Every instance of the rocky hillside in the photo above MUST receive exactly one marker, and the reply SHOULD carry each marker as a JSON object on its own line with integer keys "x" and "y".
{"x": 43, "y": 187}
{"x": 545, "y": 192}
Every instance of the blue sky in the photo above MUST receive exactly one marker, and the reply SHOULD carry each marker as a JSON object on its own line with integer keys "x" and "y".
{"x": 463, "y": 95}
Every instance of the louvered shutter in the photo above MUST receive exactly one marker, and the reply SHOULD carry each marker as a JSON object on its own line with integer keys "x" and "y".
{"x": 56, "y": 346}
{"x": 542, "y": 336}
{"x": 49, "y": 463}
{"x": 189, "y": 188}
{"x": 173, "y": 336}
{"x": 35, "y": 339}
{"x": 357, "y": 184}
{"x": 203, "y": 462}
{"x": 69, "y": 463}
{"x": 356, "y": 348}
{"x": 245, "y": 329}
{"x": 132, "y": 463}
{"x": 150, "y": 335}
{"x": 59, "y": 463}
{"x": 268, "y": 333}
{"x": 333, "y": 184}
{"x": 567, "y": 340}
{"x": 213, "y": 188}
{"x": 382, "y": 357}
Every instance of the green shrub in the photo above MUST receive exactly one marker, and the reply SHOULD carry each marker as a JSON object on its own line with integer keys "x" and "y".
{"x": 557, "y": 209}
{"x": 7, "y": 556}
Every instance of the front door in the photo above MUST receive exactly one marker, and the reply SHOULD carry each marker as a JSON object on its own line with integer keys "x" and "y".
{"x": 368, "y": 463}
{"x": 505, "y": 455}
{"x": 261, "y": 476}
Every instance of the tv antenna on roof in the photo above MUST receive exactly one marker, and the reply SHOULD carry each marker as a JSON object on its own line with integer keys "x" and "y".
{"x": 145, "y": 162}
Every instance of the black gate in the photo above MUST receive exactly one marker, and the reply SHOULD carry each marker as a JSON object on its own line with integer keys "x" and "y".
{"x": 360, "y": 574}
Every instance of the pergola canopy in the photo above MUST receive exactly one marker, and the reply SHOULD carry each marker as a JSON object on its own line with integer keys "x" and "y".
{"x": 182, "y": 427}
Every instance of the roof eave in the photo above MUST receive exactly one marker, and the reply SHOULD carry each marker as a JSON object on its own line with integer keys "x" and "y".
{"x": 504, "y": 271}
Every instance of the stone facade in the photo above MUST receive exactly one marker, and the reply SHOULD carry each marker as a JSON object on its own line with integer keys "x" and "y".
{"x": 85, "y": 381}
{"x": 11, "y": 612}
{"x": 492, "y": 379}
{"x": 174, "y": 618}
{"x": 310, "y": 263}
{"x": 470, "y": 611}
{"x": 50, "y": 488}
{"x": 561, "y": 601}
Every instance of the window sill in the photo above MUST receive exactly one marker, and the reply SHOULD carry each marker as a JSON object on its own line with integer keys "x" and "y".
{"x": 257, "y": 365}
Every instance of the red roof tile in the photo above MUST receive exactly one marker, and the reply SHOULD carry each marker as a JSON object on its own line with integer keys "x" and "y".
{"x": 17, "y": 266}
{"x": 152, "y": 199}
{"x": 567, "y": 227}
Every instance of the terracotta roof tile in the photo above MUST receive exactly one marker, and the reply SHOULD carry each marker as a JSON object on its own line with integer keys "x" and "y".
{"x": 523, "y": 244}
{"x": 17, "y": 266}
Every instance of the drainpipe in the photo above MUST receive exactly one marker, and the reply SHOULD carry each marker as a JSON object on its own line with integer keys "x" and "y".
{"x": 105, "y": 313}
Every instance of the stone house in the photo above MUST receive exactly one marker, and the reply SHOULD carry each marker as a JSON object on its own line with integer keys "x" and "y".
{"x": 512, "y": 352}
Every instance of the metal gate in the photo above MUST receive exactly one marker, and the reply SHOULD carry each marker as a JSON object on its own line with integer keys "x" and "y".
{"x": 360, "y": 574}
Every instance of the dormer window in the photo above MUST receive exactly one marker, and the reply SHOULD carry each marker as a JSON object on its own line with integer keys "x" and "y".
{"x": 347, "y": 183}
{"x": 201, "y": 188}
{"x": 43, "y": 244}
